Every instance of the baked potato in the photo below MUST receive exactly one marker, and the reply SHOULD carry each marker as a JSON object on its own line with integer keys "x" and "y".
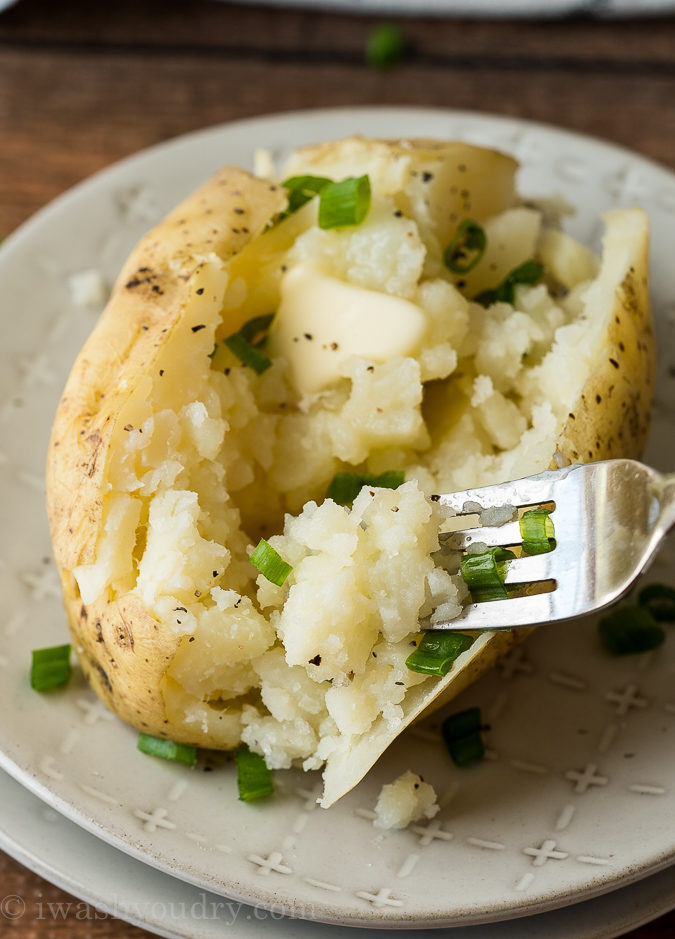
{"x": 372, "y": 347}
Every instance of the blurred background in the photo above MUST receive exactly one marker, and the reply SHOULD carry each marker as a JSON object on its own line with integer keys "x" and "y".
{"x": 83, "y": 84}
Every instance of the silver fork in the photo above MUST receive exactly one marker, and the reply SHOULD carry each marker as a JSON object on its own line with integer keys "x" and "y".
{"x": 609, "y": 520}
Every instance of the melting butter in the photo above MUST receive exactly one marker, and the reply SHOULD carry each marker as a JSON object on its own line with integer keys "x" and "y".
{"x": 322, "y": 321}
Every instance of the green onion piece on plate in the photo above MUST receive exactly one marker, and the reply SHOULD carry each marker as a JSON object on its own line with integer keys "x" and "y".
{"x": 247, "y": 354}
{"x": 301, "y": 189}
{"x": 466, "y": 248}
{"x": 659, "y": 599}
{"x": 529, "y": 272}
{"x": 254, "y": 780}
{"x": 269, "y": 563}
{"x": 437, "y": 651}
{"x": 461, "y": 732}
{"x": 630, "y": 629}
{"x": 50, "y": 668}
{"x": 385, "y": 46}
{"x": 537, "y": 531}
{"x": 344, "y": 203}
{"x": 467, "y": 749}
{"x": 462, "y": 724}
{"x": 167, "y": 749}
{"x": 484, "y": 574}
{"x": 345, "y": 487}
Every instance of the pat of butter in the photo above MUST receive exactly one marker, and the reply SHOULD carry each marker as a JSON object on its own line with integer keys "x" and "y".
{"x": 321, "y": 321}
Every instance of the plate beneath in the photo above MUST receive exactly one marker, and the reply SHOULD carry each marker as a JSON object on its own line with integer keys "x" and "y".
{"x": 103, "y": 878}
{"x": 572, "y": 799}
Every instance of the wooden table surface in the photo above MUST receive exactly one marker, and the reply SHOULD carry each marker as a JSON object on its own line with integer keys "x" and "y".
{"x": 83, "y": 84}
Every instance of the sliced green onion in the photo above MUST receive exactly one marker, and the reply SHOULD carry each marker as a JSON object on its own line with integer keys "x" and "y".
{"x": 659, "y": 599}
{"x": 466, "y": 750}
{"x": 462, "y": 724}
{"x": 254, "y": 780}
{"x": 437, "y": 651}
{"x": 385, "y": 46}
{"x": 344, "y": 203}
{"x": 247, "y": 354}
{"x": 301, "y": 189}
{"x": 461, "y": 733}
{"x": 466, "y": 248}
{"x": 269, "y": 563}
{"x": 245, "y": 344}
{"x": 484, "y": 574}
{"x": 345, "y": 487}
{"x": 167, "y": 749}
{"x": 630, "y": 629}
{"x": 529, "y": 272}
{"x": 537, "y": 531}
{"x": 50, "y": 668}
{"x": 255, "y": 330}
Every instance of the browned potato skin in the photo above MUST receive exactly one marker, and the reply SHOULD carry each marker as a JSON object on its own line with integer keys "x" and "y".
{"x": 611, "y": 418}
{"x": 122, "y": 649}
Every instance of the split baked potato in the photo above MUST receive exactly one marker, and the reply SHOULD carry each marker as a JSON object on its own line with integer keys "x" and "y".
{"x": 173, "y": 452}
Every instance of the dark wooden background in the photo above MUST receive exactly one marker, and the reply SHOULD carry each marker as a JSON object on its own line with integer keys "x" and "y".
{"x": 83, "y": 83}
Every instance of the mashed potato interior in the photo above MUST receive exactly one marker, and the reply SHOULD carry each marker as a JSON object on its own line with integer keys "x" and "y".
{"x": 408, "y": 799}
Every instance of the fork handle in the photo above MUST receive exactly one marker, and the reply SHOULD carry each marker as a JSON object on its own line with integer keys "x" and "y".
{"x": 668, "y": 501}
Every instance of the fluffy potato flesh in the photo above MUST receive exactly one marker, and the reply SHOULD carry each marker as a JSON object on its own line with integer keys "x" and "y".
{"x": 170, "y": 458}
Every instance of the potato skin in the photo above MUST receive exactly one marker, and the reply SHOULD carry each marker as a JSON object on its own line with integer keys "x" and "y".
{"x": 123, "y": 650}
{"x": 611, "y": 417}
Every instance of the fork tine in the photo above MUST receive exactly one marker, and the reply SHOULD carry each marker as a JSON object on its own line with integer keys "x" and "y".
{"x": 491, "y": 535}
{"x": 528, "y": 491}
{"x": 527, "y": 570}
{"x": 504, "y": 614}
{"x": 609, "y": 519}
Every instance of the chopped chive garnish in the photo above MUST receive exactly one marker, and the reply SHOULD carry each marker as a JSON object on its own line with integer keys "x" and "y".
{"x": 529, "y": 272}
{"x": 466, "y": 248}
{"x": 484, "y": 574}
{"x": 462, "y": 724}
{"x": 50, "y": 668}
{"x": 659, "y": 599}
{"x": 437, "y": 651}
{"x": 247, "y": 354}
{"x": 269, "y": 563}
{"x": 385, "y": 46}
{"x": 167, "y": 749}
{"x": 467, "y": 749}
{"x": 255, "y": 330}
{"x": 344, "y": 203}
{"x": 537, "y": 531}
{"x": 630, "y": 629}
{"x": 301, "y": 189}
{"x": 345, "y": 487}
{"x": 254, "y": 780}
{"x": 461, "y": 733}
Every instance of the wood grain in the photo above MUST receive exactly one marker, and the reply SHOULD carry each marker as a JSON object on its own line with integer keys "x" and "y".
{"x": 80, "y": 88}
{"x": 32, "y": 908}
{"x": 83, "y": 84}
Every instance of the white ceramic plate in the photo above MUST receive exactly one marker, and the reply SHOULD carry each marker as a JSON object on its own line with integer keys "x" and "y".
{"x": 490, "y": 8}
{"x": 577, "y": 796}
{"x": 104, "y": 879}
